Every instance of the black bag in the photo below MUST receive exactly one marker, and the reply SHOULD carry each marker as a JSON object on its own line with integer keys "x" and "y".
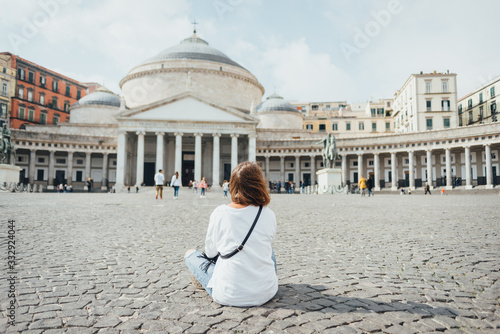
{"x": 212, "y": 260}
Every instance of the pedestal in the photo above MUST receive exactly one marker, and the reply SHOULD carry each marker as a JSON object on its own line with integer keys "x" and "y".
{"x": 327, "y": 178}
{"x": 9, "y": 173}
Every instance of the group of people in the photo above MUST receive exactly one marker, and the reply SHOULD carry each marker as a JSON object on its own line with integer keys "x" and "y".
{"x": 176, "y": 183}
{"x": 366, "y": 185}
{"x": 288, "y": 185}
{"x": 63, "y": 188}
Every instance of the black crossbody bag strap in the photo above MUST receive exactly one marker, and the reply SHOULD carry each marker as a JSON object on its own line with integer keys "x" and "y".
{"x": 240, "y": 247}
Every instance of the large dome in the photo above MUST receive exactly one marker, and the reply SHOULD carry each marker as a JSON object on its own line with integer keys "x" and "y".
{"x": 275, "y": 103}
{"x": 98, "y": 107}
{"x": 193, "y": 48}
{"x": 196, "y": 67}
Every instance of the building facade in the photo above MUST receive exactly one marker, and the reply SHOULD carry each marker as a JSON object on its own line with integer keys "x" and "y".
{"x": 480, "y": 106}
{"x": 41, "y": 96}
{"x": 7, "y": 88}
{"x": 426, "y": 102}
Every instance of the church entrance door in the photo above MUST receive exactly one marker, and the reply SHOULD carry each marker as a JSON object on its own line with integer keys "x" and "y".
{"x": 187, "y": 168}
{"x": 149, "y": 173}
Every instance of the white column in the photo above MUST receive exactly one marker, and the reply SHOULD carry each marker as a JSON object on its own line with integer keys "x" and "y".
{"x": 104, "y": 171}
{"x": 88, "y": 158}
{"x": 345, "y": 178}
{"x": 360, "y": 165}
{"x": 267, "y": 168}
{"x": 429, "y": 169}
{"x": 449, "y": 175}
{"x": 139, "y": 176}
{"x": 160, "y": 148}
{"x": 282, "y": 169}
{"x": 297, "y": 172}
{"x": 69, "y": 177}
{"x": 32, "y": 175}
{"x": 252, "y": 147}
{"x": 411, "y": 169}
{"x": 197, "y": 156}
{"x": 121, "y": 160}
{"x": 468, "y": 174}
{"x": 376, "y": 162}
{"x": 394, "y": 173}
{"x": 178, "y": 154}
{"x": 313, "y": 170}
{"x": 216, "y": 161}
{"x": 50, "y": 175}
{"x": 234, "y": 151}
{"x": 489, "y": 169}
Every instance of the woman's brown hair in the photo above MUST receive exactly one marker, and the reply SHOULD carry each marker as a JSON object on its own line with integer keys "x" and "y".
{"x": 247, "y": 185}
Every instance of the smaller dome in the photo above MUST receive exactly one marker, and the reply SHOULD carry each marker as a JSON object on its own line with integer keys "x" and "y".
{"x": 275, "y": 103}
{"x": 101, "y": 96}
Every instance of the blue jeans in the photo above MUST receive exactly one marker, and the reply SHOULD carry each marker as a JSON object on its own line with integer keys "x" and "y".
{"x": 194, "y": 264}
{"x": 176, "y": 191}
{"x": 203, "y": 191}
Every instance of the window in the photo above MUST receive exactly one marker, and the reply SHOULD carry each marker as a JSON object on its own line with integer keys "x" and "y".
{"x": 66, "y": 105}
{"x": 380, "y": 112}
{"x": 348, "y": 126}
{"x": 22, "y": 113}
{"x": 481, "y": 113}
{"x": 480, "y": 97}
{"x": 79, "y": 161}
{"x": 428, "y": 105}
{"x": 469, "y": 104}
{"x": 67, "y": 89}
{"x": 43, "y": 81}
{"x": 471, "y": 117}
{"x": 460, "y": 123}
{"x": 445, "y": 105}
{"x": 327, "y": 106}
{"x": 387, "y": 126}
{"x": 31, "y": 114}
{"x": 492, "y": 91}
{"x": 30, "y": 95}
{"x": 361, "y": 125}
{"x": 445, "y": 86}
{"x": 54, "y": 102}
{"x": 388, "y": 104}
{"x": 428, "y": 87}
{"x": 374, "y": 127}
{"x": 460, "y": 108}
{"x": 322, "y": 128}
{"x": 20, "y": 93}
{"x": 374, "y": 112}
{"x": 309, "y": 126}
{"x": 54, "y": 86}
{"x": 43, "y": 118}
{"x": 31, "y": 77}
{"x": 428, "y": 123}
{"x": 42, "y": 98}
{"x": 314, "y": 107}
{"x": 78, "y": 94}
{"x": 4, "y": 89}
{"x": 60, "y": 161}
{"x": 3, "y": 110}
{"x": 55, "y": 120}
{"x": 446, "y": 123}
{"x": 21, "y": 73}
{"x": 493, "y": 107}
{"x": 335, "y": 127}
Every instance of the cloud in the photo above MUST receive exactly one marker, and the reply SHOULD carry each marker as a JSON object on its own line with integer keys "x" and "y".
{"x": 300, "y": 74}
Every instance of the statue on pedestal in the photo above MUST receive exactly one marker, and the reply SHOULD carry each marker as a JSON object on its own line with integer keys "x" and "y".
{"x": 329, "y": 151}
{"x": 7, "y": 146}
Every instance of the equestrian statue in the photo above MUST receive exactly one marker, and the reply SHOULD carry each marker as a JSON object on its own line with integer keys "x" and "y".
{"x": 7, "y": 146}
{"x": 329, "y": 151}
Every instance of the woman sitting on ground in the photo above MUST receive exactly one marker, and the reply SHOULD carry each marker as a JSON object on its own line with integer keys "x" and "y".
{"x": 248, "y": 277}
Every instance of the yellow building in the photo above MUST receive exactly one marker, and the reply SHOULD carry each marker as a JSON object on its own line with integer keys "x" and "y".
{"x": 7, "y": 88}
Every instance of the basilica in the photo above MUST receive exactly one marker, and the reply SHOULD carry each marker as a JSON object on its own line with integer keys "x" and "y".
{"x": 193, "y": 110}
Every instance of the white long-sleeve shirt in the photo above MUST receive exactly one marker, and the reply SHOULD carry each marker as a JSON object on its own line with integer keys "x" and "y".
{"x": 159, "y": 179}
{"x": 249, "y": 277}
{"x": 175, "y": 181}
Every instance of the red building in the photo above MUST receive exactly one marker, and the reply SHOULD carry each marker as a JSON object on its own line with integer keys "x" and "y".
{"x": 41, "y": 96}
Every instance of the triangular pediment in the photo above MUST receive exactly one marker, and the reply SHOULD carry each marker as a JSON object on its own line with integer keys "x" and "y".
{"x": 187, "y": 107}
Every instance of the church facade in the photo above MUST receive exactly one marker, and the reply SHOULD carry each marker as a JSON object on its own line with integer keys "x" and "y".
{"x": 193, "y": 110}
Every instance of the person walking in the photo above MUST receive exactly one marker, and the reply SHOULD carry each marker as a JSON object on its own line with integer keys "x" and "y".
{"x": 362, "y": 185}
{"x": 238, "y": 267}
{"x": 278, "y": 186}
{"x": 203, "y": 187}
{"x": 159, "y": 180}
{"x": 195, "y": 186}
{"x": 369, "y": 186}
{"x": 176, "y": 183}
{"x": 427, "y": 189}
{"x": 225, "y": 187}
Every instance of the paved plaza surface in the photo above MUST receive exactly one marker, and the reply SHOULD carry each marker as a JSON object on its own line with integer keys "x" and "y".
{"x": 113, "y": 263}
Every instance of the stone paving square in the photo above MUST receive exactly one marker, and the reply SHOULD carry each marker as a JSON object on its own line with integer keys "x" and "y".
{"x": 113, "y": 263}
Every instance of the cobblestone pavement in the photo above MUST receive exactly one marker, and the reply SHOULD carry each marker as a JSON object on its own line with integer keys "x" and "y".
{"x": 113, "y": 263}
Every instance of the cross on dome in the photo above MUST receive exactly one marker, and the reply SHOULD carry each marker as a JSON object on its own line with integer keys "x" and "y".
{"x": 194, "y": 23}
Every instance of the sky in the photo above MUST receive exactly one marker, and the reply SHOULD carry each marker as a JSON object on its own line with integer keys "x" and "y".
{"x": 309, "y": 50}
